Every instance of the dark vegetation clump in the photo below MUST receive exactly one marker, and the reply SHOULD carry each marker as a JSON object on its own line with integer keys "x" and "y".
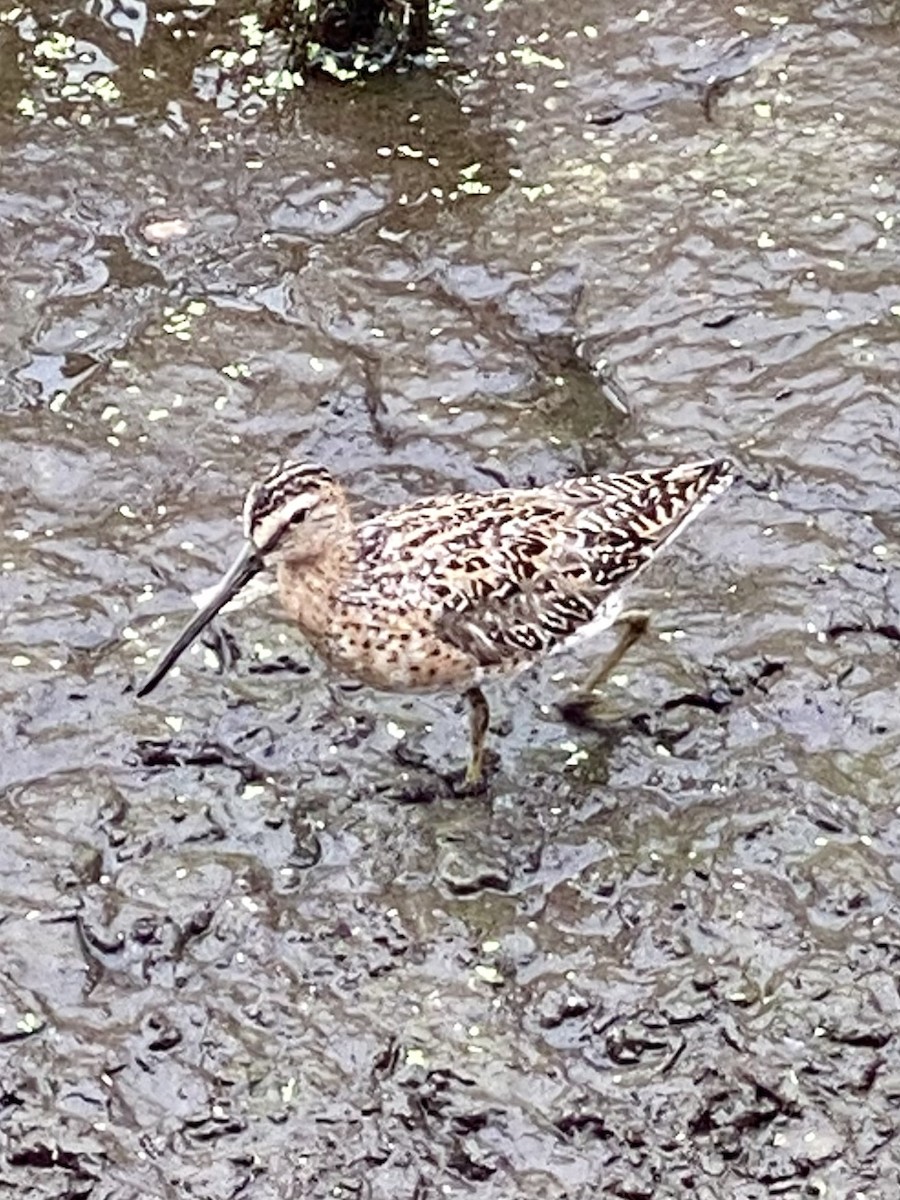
{"x": 377, "y": 33}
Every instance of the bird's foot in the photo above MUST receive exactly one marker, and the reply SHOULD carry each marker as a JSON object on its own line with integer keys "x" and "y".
{"x": 475, "y": 779}
{"x": 587, "y": 711}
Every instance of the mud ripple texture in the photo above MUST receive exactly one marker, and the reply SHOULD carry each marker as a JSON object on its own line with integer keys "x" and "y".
{"x": 251, "y": 944}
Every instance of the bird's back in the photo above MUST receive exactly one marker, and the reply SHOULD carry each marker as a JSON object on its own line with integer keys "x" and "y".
{"x": 506, "y": 576}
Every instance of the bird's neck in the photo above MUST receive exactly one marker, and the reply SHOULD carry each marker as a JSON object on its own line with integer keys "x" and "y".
{"x": 308, "y": 583}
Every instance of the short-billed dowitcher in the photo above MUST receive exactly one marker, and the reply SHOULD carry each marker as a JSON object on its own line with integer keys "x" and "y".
{"x": 445, "y": 592}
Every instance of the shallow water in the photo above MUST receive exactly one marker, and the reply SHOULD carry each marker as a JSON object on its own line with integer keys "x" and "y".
{"x": 659, "y": 958}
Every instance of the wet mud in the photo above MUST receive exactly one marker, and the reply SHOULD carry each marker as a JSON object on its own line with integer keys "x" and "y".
{"x": 253, "y": 941}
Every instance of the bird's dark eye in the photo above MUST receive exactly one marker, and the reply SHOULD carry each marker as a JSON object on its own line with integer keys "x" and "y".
{"x": 298, "y": 517}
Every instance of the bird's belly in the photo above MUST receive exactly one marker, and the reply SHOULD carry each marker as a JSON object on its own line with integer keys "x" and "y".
{"x": 398, "y": 649}
{"x": 388, "y": 653}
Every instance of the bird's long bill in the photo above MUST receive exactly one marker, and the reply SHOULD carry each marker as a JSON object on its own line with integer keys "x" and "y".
{"x": 245, "y": 566}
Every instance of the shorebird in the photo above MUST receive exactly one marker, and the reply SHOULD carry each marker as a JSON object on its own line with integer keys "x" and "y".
{"x": 446, "y": 592}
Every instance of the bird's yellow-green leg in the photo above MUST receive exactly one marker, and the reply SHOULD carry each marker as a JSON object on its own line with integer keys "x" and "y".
{"x": 634, "y": 627}
{"x": 479, "y": 716}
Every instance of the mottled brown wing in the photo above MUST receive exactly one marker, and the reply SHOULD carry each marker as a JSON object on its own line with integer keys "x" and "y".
{"x": 506, "y": 576}
{"x": 531, "y": 612}
{"x": 565, "y": 566}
